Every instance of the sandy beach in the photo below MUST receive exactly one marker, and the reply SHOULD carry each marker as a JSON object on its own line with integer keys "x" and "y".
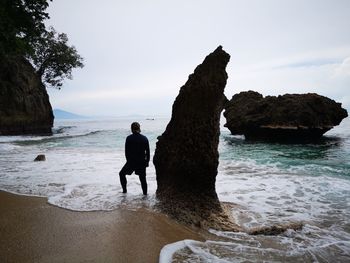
{"x": 34, "y": 231}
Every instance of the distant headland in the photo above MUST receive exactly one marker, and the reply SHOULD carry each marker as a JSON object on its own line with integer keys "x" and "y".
{"x": 62, "y": 114}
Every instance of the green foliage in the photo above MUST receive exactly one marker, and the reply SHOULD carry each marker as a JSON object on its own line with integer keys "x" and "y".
{"x": 54, "y": 59}
{"x": 21, "y": 24}
{"x": 23, "y": 33}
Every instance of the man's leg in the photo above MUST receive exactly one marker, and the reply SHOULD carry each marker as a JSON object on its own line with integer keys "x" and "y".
{"x": 122, "y": 175}
{"x": 142, "y": 175}
{"x": 143, "y": 184}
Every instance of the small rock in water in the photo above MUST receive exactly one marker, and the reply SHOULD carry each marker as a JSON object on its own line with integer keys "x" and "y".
{"x": 275, "y": 229}
{"x": 40, "y": 157}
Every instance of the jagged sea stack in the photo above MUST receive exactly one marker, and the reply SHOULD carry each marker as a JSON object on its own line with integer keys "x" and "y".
{"x": 186, "y": 156}
{"x": 24, "y": 103}
{"x": 289, "y": 117}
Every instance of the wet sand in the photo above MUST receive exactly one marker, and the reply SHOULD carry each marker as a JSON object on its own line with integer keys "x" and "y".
{"x": 33, "y": 231}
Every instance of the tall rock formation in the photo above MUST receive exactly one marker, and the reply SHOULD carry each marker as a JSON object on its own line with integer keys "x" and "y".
{"x": 288, "y": 117}
{"x": 24, "y": 102}
{"x": 186, "y": 156}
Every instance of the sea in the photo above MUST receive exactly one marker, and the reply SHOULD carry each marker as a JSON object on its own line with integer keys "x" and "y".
{"x": 269, "y": 183}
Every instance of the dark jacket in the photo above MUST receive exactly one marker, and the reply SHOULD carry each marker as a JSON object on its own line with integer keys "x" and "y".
{"x": 137, "y": 150}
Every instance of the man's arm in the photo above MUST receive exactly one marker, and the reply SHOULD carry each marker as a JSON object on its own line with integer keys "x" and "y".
{"x": 127, "y": 150}
{"x": 147, "y": 152}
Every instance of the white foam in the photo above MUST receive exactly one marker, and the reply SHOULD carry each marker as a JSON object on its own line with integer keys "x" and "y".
{"x": 77, "y": 175}
{"x": 312, "y": 244}
{"x": 166, "y": 253}
{"x": 196, "y": 247}
{"x": 268, "y": 194}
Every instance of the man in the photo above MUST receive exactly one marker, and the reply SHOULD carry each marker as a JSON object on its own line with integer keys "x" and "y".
{"x": 137, "y": 157}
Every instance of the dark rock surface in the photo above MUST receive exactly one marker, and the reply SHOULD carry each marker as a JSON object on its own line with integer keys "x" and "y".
{"x": 186, "y": 156}
{"x": 287, "y": 117}
{"x": 40, "y": 157}
{"x": 24, "y": 102}
{"x": 275, "y": 229}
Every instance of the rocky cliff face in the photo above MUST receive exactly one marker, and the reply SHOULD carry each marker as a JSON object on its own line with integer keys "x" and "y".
{"x": 287, "y": 117}
{"x": 24, "y": 102}
{"x": 186, "y": 156}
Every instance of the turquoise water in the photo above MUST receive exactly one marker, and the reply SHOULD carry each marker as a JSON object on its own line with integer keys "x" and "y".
{"x": 331, "y": 155}
{"x": 270, "y": 183}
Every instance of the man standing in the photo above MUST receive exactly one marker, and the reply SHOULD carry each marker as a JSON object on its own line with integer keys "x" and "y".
{"x": 137, "y": 157}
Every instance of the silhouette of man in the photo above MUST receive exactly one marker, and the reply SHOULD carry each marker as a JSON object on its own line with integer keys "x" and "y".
{"x": 137, "y": 157}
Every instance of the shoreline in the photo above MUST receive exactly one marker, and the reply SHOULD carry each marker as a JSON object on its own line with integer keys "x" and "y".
{"x": 34, "y": 231}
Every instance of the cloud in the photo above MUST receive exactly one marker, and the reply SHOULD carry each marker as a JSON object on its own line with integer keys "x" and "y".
{"x": 343, "y": 70}
{"x": 310, "y": 63}
{"x": 326, "y": 76}
{"x": 139, "y": 53}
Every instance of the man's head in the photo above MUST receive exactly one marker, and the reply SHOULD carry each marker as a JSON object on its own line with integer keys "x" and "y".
{"x": 135, "y": 127}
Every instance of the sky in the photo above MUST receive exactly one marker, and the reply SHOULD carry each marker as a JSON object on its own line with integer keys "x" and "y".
{"x": 138, "y": 54}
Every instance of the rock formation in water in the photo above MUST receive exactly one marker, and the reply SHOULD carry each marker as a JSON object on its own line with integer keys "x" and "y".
{"x": 287, "y": 117}
{"x": 275, "y": 230}
{"x": 186, "y": 156}
{"x": 24, "y": 102}
{"x": 40, "y": 158}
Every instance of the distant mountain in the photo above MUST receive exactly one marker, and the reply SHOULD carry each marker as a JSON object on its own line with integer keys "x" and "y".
{"x": 61, "y": 114}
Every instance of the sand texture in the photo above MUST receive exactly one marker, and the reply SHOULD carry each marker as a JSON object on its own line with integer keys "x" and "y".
{"x": 34, "y": 231}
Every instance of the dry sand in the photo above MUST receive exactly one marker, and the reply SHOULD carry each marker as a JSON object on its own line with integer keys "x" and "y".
{"x": 33, "y": 231}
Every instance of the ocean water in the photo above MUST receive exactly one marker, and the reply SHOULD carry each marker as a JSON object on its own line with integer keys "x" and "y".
{"x": 270, "y": 183}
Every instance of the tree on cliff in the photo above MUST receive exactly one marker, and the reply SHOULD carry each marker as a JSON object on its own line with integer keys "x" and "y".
{"x": 54, "y": 59}
{"x": 23, "y": 33}
{"x": 21, "y": 25}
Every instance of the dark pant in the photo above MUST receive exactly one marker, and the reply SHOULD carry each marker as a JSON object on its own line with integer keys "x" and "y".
{"x": 127, "y": 170}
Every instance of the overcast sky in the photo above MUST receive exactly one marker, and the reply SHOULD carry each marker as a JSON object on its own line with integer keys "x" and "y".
{"x": 139, "y": 53}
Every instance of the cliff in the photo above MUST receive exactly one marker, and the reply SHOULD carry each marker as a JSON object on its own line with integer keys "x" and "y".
{"x": 186, "y": 156}
{"x": 286, "y": 117}
{"x": 24, "y": 102}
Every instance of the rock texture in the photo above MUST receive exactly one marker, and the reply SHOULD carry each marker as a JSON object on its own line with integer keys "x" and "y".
{"x": 186, "y": 156}
{"x": 24, "y": 102}
{"x": 287, "y": 117}
{"x": 40, "y": 158}
{"x": 275, "y": 229}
